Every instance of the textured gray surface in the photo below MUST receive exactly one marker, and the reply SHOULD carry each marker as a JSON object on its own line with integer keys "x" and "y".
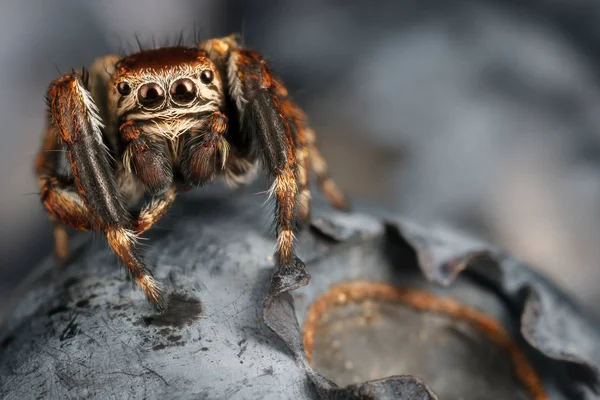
{"x": 93, "y": 334}
{"x": 83, "y": 331}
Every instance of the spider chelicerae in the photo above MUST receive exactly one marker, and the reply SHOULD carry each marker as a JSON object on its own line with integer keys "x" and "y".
{"x": 165, "y": 120}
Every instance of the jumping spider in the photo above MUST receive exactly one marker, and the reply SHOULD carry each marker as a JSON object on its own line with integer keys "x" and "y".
{"x": 165, "y": 120}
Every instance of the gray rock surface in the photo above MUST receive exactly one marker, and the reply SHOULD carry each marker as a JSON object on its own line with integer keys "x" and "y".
{"x": 82, "y": 331}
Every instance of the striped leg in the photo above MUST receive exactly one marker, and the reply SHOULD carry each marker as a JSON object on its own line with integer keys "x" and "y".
{"x": 154, "y": 211}
{"x": 75, "y": 118}
{"x": 303, "y": 190}
{"x": 297, "y": 120}
{"x": 319, "y": 166}
{"x": 308, "y": 156}
{"x": 264, "y": 118}
{"x": 64, "y": 204}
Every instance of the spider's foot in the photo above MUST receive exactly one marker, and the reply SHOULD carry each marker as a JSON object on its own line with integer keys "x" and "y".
{"x": 153, "y": 292}
{"x": 288, "y": 277}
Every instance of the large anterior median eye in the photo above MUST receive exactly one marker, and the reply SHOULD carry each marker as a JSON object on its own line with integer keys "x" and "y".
{"x": 151, "y": 95}
{"x": 183, "y": 91}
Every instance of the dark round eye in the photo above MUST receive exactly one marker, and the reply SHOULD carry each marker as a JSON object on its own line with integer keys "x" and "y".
{"x": 124, "y": 88}
{"x": 206, "y": 76}
{"x": 151, "y": 95}
{"x": 183, "y": 91}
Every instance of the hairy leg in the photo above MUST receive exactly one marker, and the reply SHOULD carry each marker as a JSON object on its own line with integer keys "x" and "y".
{"x": 308, "y": 156}
{"x": 262, "y": 116}
{"x": 55, "y": 195}
{"x": 224, "y": 52}
{"x": 304, "y": 195}
{"x": 319, "y": 166}
{"x": 154, "y": 211}
{"x": 297, "y": 120}
{"x": 60, "y": 193}
{"x": 75, "y": 118}
{"x": 66, "y": 208}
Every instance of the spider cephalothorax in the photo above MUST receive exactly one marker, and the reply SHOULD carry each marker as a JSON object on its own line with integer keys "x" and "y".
{"x": 167, "y": 119}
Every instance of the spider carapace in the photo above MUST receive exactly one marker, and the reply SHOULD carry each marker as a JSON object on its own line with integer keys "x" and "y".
{"x": 168, "y": 119}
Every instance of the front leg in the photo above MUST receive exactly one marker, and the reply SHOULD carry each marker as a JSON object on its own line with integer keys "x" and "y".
{"x": 263, "y": 117}
{"x": 206, "y": 151}
{"x": 75, "y": 117}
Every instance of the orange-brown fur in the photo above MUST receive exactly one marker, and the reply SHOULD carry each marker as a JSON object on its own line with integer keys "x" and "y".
{"x": 147, "y": 145}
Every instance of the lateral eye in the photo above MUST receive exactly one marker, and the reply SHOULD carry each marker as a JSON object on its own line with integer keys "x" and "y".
{"x": 124, "y": 88}
{"x": 151, "y": 95}
{"x": 206, "y": 76}
{"x": 183, "y": 91}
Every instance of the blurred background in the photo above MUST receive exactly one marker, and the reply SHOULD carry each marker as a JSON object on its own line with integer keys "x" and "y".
{"x": 482, "y": 114}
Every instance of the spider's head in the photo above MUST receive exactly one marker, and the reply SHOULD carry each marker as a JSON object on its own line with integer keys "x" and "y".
{"x": 167, "y": 84}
